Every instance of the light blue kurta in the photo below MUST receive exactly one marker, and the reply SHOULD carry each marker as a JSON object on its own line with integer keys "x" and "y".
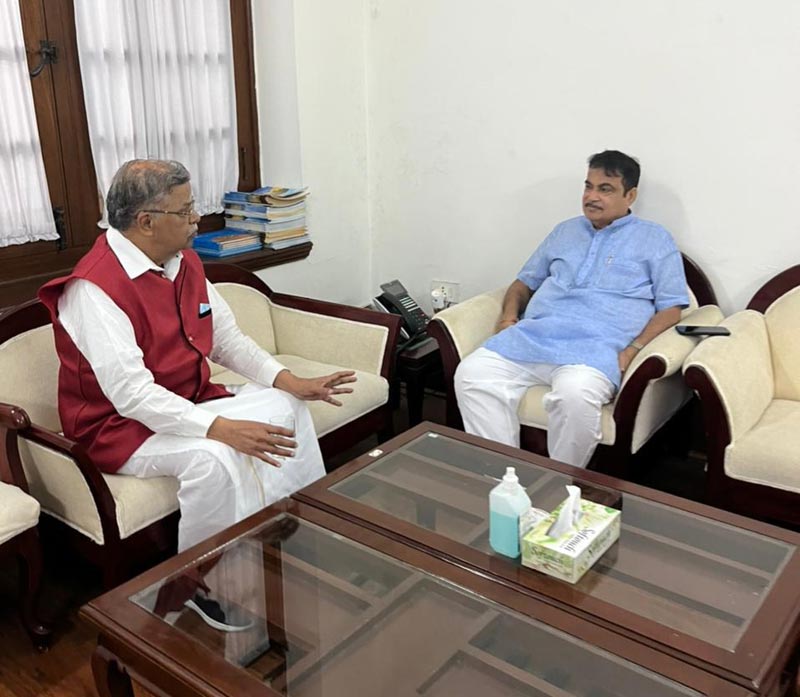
{"x": 595, "y": 290}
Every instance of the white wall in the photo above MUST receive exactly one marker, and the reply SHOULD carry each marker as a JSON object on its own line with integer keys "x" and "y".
{"x": 311, "y": 87}
{"x": 445, "y": 138}
{"x": 481, "y": 116}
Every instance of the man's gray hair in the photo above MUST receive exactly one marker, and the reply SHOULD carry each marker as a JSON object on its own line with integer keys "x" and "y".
{"x": 141, "y": 184}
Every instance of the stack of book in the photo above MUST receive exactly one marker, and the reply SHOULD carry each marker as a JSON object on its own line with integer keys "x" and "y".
{"x": 278, "y": 214}
{"x": 223, "y": 243}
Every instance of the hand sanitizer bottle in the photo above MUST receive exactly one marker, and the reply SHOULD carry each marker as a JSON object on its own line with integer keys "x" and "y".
{"x": 507, "y": 502}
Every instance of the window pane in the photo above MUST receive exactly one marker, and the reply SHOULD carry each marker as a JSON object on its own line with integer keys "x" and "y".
{"x": 25, "y": 211}
{"x": 158, "y": 82}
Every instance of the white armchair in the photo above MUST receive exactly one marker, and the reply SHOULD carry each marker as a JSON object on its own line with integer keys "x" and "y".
{"x": 749, "y": 387}
{"x": 652, "y": 390}
{"x": 119, "y": 522}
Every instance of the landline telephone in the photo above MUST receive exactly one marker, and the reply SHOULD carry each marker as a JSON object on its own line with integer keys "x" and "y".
{"x": 395, "y": 298}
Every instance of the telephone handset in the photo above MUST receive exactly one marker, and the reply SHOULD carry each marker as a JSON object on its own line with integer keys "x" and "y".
{"x": 395, "y": 298}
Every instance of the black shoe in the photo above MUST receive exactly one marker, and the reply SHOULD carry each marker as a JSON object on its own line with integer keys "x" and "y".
{"x": 214, "y": 616}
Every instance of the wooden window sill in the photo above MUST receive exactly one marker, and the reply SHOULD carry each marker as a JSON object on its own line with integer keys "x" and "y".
{"x": 252, "y": 261}
{"x": 263, "y": 258}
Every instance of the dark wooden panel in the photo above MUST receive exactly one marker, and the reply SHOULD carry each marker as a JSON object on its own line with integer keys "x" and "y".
{"x": 246, "y": 107}
{"x": 83, "y": 209}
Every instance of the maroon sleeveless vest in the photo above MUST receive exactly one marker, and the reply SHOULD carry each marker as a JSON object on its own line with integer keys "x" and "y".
{"x": 175, "y": 340}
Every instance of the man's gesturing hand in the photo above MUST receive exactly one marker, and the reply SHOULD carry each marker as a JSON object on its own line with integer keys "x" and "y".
{"x": 254, "y": 438}
{"x": 322, "y": 388}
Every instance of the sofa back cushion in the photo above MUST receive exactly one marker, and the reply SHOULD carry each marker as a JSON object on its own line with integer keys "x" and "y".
{"x": 29, "y": 375}
{"x": 253, "y": 315}
{"x": 783, "y": 326}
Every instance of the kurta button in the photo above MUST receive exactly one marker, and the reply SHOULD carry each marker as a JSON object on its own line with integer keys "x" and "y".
{"x": 191, "y": 338}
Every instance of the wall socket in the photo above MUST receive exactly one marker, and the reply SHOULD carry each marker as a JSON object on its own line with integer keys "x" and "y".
{"x": 449, "y": 289}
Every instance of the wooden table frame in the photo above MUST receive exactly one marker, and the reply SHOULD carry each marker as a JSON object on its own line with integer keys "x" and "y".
{"x": 135, "y": 644}
{"x": 767, "y": 655}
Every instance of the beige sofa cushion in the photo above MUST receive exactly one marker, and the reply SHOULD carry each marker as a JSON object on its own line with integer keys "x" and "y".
{"x": 253, "y": 312}
{"x": 740, "y": 367}
{"x": 29, "y": 375}
{"x": 473, "y": 321}
{"x": 531, "y": 413}
{"x": 783, "y": 327}
{"x": 18, "y": 511}
{"x": 329, "y": 340}
{"x": 369, "y": 392}
{"x": 768, "y": 453}
{"x": 55, "y": 481}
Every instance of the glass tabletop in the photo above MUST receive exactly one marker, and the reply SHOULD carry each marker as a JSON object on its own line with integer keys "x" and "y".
{"x": 693, "y": 574}
{"x": 323, "y": 615}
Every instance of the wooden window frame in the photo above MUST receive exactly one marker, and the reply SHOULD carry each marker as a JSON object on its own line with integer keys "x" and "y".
{"x": 64, "y": 134}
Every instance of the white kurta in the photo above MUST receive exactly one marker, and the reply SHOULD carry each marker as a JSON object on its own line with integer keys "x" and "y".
{"x": 218, "y": 485}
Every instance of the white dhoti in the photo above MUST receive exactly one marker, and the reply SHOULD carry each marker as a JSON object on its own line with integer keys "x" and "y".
{"x": 490, "y": 387}
{"x": 219, "y": 486}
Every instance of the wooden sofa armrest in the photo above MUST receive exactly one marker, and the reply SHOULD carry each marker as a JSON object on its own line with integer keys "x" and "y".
{"x": 459, "y": 330}
{"x": 12, "y": 420}
{"x": 672, "y": 348}
{"x": 660, "y": 358}
{"x": 47, "y": 438}
{"x": 471, "y": 322}
{"x": 716, "y": 426}
{"x": 342, "y": 326}
{"x": 732, "y": 375}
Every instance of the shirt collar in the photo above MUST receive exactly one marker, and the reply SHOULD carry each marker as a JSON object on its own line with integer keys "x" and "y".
{"x": 611, "y": 227}
{"x": 135, "y": 262}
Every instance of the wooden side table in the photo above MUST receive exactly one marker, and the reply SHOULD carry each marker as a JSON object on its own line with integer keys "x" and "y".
{"x": 416, "y": 366}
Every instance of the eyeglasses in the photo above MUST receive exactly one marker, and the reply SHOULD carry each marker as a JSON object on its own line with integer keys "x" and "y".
{"x": 189, "y": 213}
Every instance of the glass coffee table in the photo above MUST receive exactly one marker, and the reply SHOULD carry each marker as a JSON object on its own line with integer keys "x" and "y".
{"x": 714, "y": 589}
{"x": 330, "y": 608}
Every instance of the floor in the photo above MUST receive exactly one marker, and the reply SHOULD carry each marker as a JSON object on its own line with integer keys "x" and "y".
{"x": 64, "y": 671}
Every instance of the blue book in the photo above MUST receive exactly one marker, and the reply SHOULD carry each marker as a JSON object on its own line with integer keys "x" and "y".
{"x": 220, "y": 240}
{"x": 216, "y": 253}
{"x": 239, "y": 196}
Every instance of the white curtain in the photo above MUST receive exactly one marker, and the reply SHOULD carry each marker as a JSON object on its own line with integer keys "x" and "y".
{"x": 158, "y": 83}
{"x": 25, "y": 211}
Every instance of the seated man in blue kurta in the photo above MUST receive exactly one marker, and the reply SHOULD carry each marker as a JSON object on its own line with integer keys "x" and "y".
{"x": 591, "y": 296}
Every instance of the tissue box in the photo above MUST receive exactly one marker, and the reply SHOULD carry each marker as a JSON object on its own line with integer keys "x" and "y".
{"x": 569, "y": 556}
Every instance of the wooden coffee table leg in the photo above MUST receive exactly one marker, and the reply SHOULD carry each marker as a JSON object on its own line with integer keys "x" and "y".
{"x": 109, "y": 678}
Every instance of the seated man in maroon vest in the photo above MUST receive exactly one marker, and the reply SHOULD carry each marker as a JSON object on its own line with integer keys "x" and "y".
{"x": 134, "y": 324}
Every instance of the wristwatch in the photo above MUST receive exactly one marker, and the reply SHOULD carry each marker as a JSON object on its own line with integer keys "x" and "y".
{"x": 636, "y": 345}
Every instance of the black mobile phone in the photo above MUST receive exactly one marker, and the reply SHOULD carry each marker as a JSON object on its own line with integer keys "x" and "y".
{"x": 695, "y": 330}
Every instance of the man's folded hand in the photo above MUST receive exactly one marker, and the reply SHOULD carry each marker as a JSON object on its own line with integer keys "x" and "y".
{"x": 260, "y": 440}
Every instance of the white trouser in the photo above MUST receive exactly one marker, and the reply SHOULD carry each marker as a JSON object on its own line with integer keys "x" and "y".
{"x": 489, "y": 389}
{"x": 219, "y": 486}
